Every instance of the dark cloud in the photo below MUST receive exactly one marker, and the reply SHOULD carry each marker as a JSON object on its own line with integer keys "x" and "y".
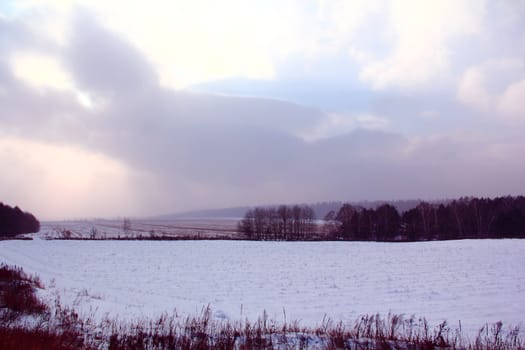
{"x": 102, "y": 61}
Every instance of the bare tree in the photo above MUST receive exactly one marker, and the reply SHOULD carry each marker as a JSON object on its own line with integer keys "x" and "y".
{"x": 93, "y": 234}
{"x": 247, "y": 225}
{"x": 285, "y": 216}
{"x": 282, "y": 223}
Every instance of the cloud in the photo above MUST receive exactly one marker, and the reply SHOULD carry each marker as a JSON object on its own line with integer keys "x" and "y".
{"x": 506, "y": 80}
{"x": 187, "y": 140}
{"x": 191, "y": 42}
{"x": 511, "y": 102}
{"x": 422, "y": 33}
{"x": 40, "y": 70}
{"x": 101, "y": 61}
{"x": 137, "y": 146}
{"x": 429, "y": 114}
{"x": 62, "y": 182}
{"x": 472, "y": 91}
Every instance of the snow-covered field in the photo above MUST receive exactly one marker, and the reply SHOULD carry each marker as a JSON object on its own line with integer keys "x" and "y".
{"x": 475, "y": 281}
{"x": 102, "y": 228}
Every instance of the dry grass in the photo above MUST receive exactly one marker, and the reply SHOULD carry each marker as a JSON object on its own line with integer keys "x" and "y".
{"x": 17, "y": 295}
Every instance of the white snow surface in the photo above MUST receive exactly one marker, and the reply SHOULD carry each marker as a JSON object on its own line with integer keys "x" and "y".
{"x": 113, "y": 228}
{"x": 472, "y": 281}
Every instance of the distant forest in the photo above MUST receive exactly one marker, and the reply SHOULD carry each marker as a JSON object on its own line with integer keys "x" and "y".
{"x": 14, "y": 221}
{"x": 502, "y": 217}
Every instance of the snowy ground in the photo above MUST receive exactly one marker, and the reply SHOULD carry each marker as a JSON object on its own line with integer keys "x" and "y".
{"x": 101, "y": 228}
{"x": 475, "y": 281}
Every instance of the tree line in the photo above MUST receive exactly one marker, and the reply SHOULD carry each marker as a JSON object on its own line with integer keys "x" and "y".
{"x": 501, "y": 217}
{"x": 14, "y": 221}
{"x": 468, "y": 217}
{"x": 279, "y": 223}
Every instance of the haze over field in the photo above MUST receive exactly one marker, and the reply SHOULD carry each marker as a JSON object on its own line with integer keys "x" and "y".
{"x": 125, "y": 108}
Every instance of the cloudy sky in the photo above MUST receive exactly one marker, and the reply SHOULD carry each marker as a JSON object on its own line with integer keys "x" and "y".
{"x": 111, "y": 108}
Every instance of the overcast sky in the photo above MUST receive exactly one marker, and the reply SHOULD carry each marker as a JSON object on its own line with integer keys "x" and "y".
{"x": 112, "y": 108}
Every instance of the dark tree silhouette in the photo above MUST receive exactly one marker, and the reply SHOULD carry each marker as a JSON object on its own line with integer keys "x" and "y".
{"x": 502, "y": 217}
{"x": 388, "y": 223}
{"x": 345, "y": 217}
{"x": 13, "y": 221}
{"x": 282, "y": 223}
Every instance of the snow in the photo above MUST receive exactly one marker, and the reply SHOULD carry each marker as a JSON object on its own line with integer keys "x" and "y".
{"x": 472, "y": 281}
{"x": 211, "y": 228}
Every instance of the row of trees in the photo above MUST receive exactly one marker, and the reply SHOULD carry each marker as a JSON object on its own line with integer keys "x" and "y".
{"x": 281, "y": 223}
{"x": 14, "y": 221}
{"x": 502, "y": 217}
{"x": 357, "y": 223}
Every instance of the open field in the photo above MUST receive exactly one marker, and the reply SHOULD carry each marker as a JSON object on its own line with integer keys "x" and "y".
{"x": 197, "y": 228}
{"x": 472, "y": 281}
